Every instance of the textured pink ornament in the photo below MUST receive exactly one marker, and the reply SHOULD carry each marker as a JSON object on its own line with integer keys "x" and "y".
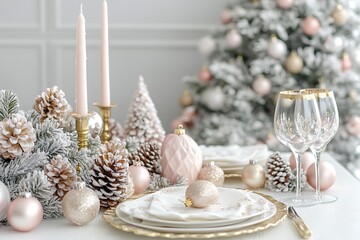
{"x": 262, "y": 86}
{"x": 353, "y": 125}
{"x": 285, "y": 4}
{"x": 25, "y": 213}
{"x": 201, "y": 194}
{"x": 327, "y": 175}
{"x": 306, "y": 160}
{"x": 212, "y": 173}
{"x": 310, "y": 26}
{"x": 180, "y": 156}
{"x": 346, "y": 63}
{"x": 226, "y": 16}
{"x": 4, "y": 200}
{"x": 204, "y": 75}
{"x": 140, "y": 177}
{"x": 233, "y": 39}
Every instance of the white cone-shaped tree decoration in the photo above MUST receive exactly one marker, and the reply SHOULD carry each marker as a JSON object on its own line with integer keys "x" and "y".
{"x": 142, "y": 121}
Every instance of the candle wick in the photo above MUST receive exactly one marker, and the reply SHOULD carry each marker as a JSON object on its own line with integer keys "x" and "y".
{"x": 81, "y": 8}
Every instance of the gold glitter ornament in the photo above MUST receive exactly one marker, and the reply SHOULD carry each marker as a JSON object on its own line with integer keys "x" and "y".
{"x": 212, "y": 173}
{"x": 201, "y": 194}
{"x": 80, "y": 205}
{"x": 253, "y": 175}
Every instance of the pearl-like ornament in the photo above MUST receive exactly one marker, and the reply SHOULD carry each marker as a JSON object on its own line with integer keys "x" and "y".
{"x": 310, "y": 26}
{"x": 294, "y": 64}
{"x": 233, "y": 39}
{"x": 80, "y": 205}
{"x": 276, "y": 48}
{"x": 213, "y": 98}
{"x": 327, "y": 175}
{"x": 334, "y": 44}
{"x": 253, "y": 175}
{"x": 140, "y": 177}
{"x": 201, "y": 194}
{"x": 25, "y": 213}
{"x": 262, "y": 86}
{"x": 207, "y": 45}
{"x": 212, "y": 173}
{"x": 340, "y": 15}
{"x": 285, "y": 4}
{"x": 4, "y": 200}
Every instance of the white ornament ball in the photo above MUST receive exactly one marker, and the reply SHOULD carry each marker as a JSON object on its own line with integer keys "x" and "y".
{"x": 285, "y": 4}
{"x": 353, "y": 125}
{"x": 207, "y": 45}
{"x": 4, "y": 200}
{"x": 262, "y": 86}
{"x": 80, "y": 205}
{"x": 327, "y": 175}
{"x": 277, "y": 49}
{"x": 334, "y": 44}
{"x": 306, "y": 160}
{"x": 201, "y": 194}
{"x": 233, "y": 39}
{"x": 213, "y": 98}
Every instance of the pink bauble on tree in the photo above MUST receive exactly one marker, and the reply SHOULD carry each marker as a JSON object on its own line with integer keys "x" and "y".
{"x": 225, "y": 16}
{"x": 233, "y": 39}
{"x": 353, "y": 125}
{"x": 307, "y": 159}
{"x": 261, "y": 85}
{"x": 180, "y": 156}
{"x": 204, "y": 75}
{"x": 346, "y": 63}
{"x": 310, "y": 26}
{"x": 327, "y": 175}
{"x": 285, "y": 4}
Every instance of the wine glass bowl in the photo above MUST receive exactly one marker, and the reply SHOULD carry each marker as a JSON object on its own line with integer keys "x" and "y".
{"x": 297, "y": 125}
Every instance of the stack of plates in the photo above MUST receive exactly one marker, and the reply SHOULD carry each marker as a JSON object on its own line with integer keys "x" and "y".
{"x": 233, "y": 158}
{"x": 164, "y": 211}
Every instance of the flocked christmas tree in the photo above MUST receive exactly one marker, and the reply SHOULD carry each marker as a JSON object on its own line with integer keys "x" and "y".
{"x": 265, "y": 46}
{"x": 142, "y": 121}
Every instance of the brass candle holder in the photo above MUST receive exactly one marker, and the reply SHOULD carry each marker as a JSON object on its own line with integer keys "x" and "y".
{"x": 82, "y": 128}
{"x": 105, "y": 113}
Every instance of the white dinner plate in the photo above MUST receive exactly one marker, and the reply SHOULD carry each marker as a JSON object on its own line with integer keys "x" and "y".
{"x": 234, "y": 206}
{"x": 143, "y": 224}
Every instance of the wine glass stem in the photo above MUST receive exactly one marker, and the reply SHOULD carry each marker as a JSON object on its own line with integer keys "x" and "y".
{"x": 298, "y": 173}
{"x": 317, "y": 172}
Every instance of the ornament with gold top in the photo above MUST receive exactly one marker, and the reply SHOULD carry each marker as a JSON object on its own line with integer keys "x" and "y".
{"x": 212, "y": 173}
{"x": 201, "y": 194}
{"x": 294, "y": 64}
{"x": 253, "y": 175}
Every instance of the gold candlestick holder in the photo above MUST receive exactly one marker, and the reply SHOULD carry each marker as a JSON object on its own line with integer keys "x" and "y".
{"x": 82, "y": 128}
{"x": 105, "y": 113}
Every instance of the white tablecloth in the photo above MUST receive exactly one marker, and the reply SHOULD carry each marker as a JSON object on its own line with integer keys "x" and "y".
{"x": 339, "y": 220}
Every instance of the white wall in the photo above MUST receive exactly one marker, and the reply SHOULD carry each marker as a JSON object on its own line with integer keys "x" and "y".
{"x": 156, "y": 38}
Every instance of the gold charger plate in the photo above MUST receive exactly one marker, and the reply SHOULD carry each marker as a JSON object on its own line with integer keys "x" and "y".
{"x": 110, "y": 217}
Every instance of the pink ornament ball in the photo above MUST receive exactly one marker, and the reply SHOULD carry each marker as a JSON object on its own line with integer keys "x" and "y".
{"x": 310, "y": 26}
{"x": 353, "y": 126}
{"x": 204, "y": 75}
{"x": 226, "y": 17}
{"x": 307, "y": 159}
{"x": 25, "y": 213}
{"x": 285, "y": 4}
{"x": 140, "y": 177}
{"x": 327, "y": 175}
{"x": 346, "y": 63}
{"x": 262, "y": 86}
{"x": 233, "y": 39}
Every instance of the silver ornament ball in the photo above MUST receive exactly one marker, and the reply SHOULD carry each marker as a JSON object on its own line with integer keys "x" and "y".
{"x": 80, "y": 205}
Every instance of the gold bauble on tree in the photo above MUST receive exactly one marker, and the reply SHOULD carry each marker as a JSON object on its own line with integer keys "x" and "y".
{"x": 340, "y": 15}
{"x": 294, "y": 64}
{"x": 186, "y": 99}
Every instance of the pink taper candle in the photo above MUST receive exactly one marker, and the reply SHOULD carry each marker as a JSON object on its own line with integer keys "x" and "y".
{"x": 105, "y": 82}
{"x": 81, "y": 81}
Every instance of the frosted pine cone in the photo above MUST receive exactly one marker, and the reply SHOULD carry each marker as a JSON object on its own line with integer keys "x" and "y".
{"x": 110, "y": 179}
{"x": 149, "y": 156}
{"x": 116, "y": 147}
{"x": 52, "y": 104}
{"x": 61, "y": 174}
{"x": 278, "y": 174}
{"x": 115, "y": 128}
{"x": 17, "y": 136}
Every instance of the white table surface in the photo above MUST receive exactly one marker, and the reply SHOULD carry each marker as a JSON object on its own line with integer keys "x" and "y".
{"x": 339, "y": 220}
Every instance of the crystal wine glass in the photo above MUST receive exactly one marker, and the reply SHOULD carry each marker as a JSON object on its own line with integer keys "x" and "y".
{"x": 297, "y": 125}
{"x": 329, "y": 125}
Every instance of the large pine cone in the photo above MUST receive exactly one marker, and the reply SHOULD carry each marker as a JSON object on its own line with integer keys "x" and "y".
{"x": 149, "y": 156}
{"x": 52, "y": 104}
{"x": 110, "y": 179}
{"x": 116, "y": 147}
{"x": 278, "y": 174}
{"x": 61, "y": 174}
{"x": 17, "y": 136}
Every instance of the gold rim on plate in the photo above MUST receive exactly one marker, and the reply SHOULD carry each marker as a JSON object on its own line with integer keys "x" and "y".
{"x": 111, "y": 217}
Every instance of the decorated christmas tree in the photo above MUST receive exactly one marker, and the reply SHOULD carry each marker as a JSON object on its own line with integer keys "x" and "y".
{"x": 142, "y": 121}
{"x": 265, "y": 46}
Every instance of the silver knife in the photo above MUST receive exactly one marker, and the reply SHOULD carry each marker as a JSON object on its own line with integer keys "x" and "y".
{"x": 299, "y": 223}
